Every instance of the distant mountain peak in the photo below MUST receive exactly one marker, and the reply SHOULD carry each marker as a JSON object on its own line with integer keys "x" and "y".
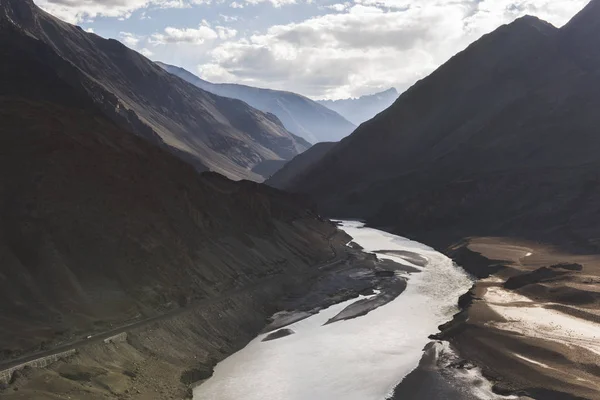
{"x": 360, "y": 109}
{"x": 300, "y": 115}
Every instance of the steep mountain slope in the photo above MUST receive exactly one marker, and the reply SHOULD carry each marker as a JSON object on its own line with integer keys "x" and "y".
{"x": 501, "y": 139}
{"x": 299, "y": 114}
{"x": 209, "y": 131}
{"x": 286, "y": 175}
{"x": 359, "y": 110}
{"x": 99, "y": 227}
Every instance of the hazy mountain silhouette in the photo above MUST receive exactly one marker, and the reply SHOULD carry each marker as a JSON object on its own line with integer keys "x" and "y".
{"x": 300, "y": 115}
{"x": 361, "y": 109}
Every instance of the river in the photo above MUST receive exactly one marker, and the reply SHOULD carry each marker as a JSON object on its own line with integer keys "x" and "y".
{"x": 358, "y": 359}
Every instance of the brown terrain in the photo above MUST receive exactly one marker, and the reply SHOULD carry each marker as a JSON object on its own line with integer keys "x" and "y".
{"x": 554, "y": 360}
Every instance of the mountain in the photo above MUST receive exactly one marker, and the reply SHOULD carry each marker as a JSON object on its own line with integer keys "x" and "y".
{"x": 502, "y": 139}
{"x": 211, "y": 132}
{"x": 299, "y": 114}
{"x": 359, "y": 110}
{"x": 288, "y": 172}
{"x": 101, "y": 228}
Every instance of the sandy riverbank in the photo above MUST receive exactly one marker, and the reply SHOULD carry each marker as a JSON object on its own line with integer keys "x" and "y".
{"x": 533, "y": 327}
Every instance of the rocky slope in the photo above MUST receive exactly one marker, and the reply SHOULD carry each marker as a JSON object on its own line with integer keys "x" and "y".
{"x": 101, "y": 228}
{"x": 211, "y": 132}
{"x": 502, "y": 139}
{"x": 287, "y": 174}
{"x": 362, "y": 109}
{"x": 299, "y": 114}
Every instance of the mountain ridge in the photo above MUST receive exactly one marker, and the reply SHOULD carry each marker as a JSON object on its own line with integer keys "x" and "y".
{"x": 363, "y": 108}
{"x": 101, "y": 227}
{"x": 210, "y": 131}
{"x": 299, "y": 114}
{"x": 479, "y": 93}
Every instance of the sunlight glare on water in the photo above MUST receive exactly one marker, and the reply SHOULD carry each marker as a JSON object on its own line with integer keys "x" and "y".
{"x": 359, "y": 359}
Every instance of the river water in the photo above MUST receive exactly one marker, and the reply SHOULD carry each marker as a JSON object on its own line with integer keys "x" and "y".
{"x": 359, "y": 359}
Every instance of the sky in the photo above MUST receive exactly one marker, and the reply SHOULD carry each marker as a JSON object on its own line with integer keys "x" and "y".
{"x": 323, "y": 49}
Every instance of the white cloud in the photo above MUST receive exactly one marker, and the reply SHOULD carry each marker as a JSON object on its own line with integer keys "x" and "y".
{"x": 229, "y": 18}
{"x": 357, "y": 47}
{"x": 77, "y": 11}
{"x": 185, "y": 35}
{"x": 225, "y": 33}
{"x": 339, "y": 7}
{"x": 90, "y": 30}
{"x": 275, "y": 3}
{"x": 368, "y": 45}
{"x": 145, "y": 52}
{"x": 129, "y": 39}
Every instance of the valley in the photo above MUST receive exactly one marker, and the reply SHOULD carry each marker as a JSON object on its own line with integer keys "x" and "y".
{"x": 167, "y": 235}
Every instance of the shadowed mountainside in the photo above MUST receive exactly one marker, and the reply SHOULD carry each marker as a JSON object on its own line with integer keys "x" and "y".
{"x": 494, "y": 157}
{"x": 300, "y": 115}
{"x": 99, "y": 226}
{"x": 210, "y": 132}
{"x": 362, "y": 109}
{"x": 300, "y": 163}
{"x": 502, "y": 139}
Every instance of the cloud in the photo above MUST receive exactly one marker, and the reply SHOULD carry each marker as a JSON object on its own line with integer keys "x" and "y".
{"x": 129, "y": 39}
{"x": 275, "y": 3}
{"x": 145, "y": 52}
{"x": 77, "y": 11}
{"x": 186, "y": 35}
{"x": 339, "y": 7}
{"x": 368, "y": 45}
{"x": 225, "y": 33}
{"x": 229, "y": 18}
{"x": 320, "y": 48}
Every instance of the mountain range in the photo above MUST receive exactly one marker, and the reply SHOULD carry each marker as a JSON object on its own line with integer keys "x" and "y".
{"x": 211, "y": 132}
{"x": 362, "y": 109}
{"x": 123, "y": 240}
{"x": 300, "y": 115}
{"x": 500, "y": 139}
{"x": 102, "y": 226}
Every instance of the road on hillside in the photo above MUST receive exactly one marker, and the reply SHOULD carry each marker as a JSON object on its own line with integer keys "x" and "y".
{"x": 335, "y": 260}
